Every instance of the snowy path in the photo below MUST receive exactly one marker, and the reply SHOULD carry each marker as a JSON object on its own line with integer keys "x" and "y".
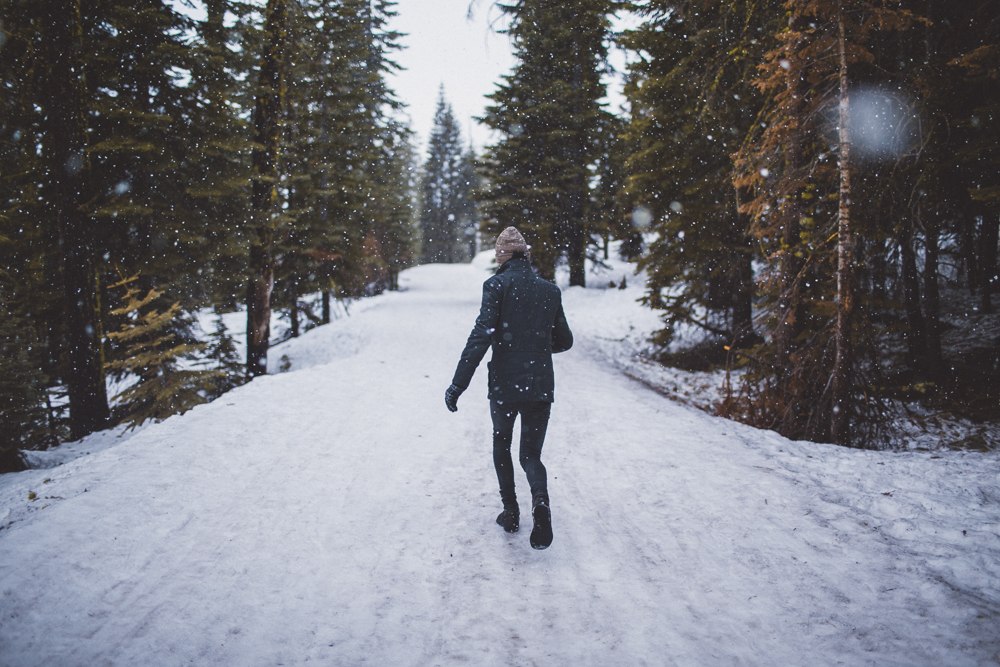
{"x": 339, "y": 515}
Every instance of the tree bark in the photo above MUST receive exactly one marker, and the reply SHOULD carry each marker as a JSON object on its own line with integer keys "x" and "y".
{"x": 842, "y": 381}
{"x": 68, "y": 171}
{"x": 742, "y": 319}
{"x": 790, "y": 298}
{"x": 988, "y": 260}
{"x": 790, "y": 264}
{"x": 264, "y": 198}
{"x": 932, "y": 301}
{"x": 915, "y": 344}
{"x": 577, "y": 252}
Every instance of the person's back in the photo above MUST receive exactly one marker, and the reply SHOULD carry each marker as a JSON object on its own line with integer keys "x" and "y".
{"x": 521, "y": 318}
{"x": 524, "y": 324}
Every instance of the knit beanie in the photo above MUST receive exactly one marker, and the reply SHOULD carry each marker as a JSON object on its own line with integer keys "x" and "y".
{"x": 509, "y": 242}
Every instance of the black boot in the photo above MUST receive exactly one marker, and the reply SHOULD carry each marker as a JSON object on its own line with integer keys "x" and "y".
{"x": 510, "y": 518}
{"x": 541, "y": 533}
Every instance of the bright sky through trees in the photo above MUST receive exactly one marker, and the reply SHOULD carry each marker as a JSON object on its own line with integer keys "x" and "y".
{"x": 467, "y": 56}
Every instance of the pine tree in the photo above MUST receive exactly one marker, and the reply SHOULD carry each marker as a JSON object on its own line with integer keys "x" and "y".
{"x": 143, "y": 132}
{"x": 394, "y": 227}
{"x": 800, "y": 203}
{"x": 549, "y": 112}
{"x": 609, "y": 213}
{"x": 264, "y": 200}
{"x": 336, "y": 237}
{"x": 980, "y": 66}
{"x": 446, "y": 191}
{"x": 161, "y": 389}
{"x": 216, "y": 168}
{"x": 68, "y": 177}
{"x": 221, "y": 352}
{"x": 692, "y": 103}
{"x": 30, "y": 256}
{"x": 24, "y": 419}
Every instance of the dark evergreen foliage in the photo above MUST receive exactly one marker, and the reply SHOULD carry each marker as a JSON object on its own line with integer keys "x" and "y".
{"x": 220, "y": 352}
{"x": 814, "y": 243}
{"x": 856, "y": 217}
{"x": 24, "y": 420}
{"x": 448, "y": 207}
{"x": 151, "y": 111}
{"x": 693, "y": 102}
{"x": 538, "y": 175}
{"x": 153, "y": 357}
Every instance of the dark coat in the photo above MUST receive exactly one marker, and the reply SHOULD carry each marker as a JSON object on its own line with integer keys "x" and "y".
{"x": 522, "y": 318}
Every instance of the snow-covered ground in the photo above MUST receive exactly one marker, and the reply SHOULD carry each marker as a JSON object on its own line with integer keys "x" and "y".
{"x": 337, "y": 514}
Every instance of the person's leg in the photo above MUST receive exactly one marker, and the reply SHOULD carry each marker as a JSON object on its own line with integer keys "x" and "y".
{"x": 503, "y": 431}
{"x": 534, "y": 421}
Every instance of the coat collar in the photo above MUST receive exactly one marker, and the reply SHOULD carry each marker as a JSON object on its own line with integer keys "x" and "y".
{"x": 516, "y": 264}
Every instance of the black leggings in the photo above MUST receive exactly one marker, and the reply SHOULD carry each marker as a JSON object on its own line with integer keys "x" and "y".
{"x": 534, "y": 420}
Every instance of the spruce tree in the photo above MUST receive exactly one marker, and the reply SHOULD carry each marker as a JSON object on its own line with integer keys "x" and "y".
{"x": 221, "y": 353}
{"x": 340, "y": 144}
{"x": 472, "y": 185}
{"x": 394, "y": 227}
{"x": 800, "y": 204}
{"x": 69, "y": 177}
{"x": 265, "y": 176}
{"x": 445, "y": 190}
{"x": 549, "y": 113}
{"x": 24, "y": 419}
{"x": 979, "y": 65}
{"x": 153, "y": 357}
{"x": 692, "y": 103}
{"x": 216, "y": 167}
{"x": 30, "y": 277}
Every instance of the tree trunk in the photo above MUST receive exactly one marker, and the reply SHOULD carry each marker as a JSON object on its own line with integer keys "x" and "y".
{"x": 966, "y": 225}
{"x": 576, "y": 220}
{"x": 68, "y": 169}
{"x": 576, "y": 225}
{"x": 790, "y": 298}
{"x": 742, "y": 321}
{"x": 915, "y": 344}
{"x": 842, "y": 381}
{"x": 264, "y": 198}
{"x": 790, "y": 265}
{"x": 326, "y": 307}
{"x": 878, "y": 272}
{"x": 577, "y": 252}
{"x": 932, "y": 300}
{"x": 988, "y": 260}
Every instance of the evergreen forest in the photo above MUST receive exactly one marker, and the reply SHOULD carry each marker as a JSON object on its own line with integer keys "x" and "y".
{"x": 157, "y": 165}
{"x": 812, "y": 188}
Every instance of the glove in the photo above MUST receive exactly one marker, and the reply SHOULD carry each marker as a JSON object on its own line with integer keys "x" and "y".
{"x": 451, "y": 395}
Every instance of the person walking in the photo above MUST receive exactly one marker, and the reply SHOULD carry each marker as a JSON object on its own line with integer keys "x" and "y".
{"x": 522, "y": 319}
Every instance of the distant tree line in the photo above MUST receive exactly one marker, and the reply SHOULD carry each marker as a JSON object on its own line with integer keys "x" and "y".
{"x": 249, "y": 156}
{"x": 818, "y": 181}
{"x": 449, "y": 217}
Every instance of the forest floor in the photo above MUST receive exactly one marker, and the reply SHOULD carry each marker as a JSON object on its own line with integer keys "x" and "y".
{"x": 336, "y": 513}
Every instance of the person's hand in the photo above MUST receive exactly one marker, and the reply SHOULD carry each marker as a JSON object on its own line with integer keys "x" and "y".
{"x": 451, "y": 395}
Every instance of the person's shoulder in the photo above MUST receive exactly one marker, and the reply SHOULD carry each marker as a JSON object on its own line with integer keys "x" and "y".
{"x": 493, "y": 282}
{"x": 547, "y": 286}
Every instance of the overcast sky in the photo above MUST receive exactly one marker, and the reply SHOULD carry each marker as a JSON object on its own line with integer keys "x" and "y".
{"x": 443, "y": 47}
{"x": 467, "y": 56}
